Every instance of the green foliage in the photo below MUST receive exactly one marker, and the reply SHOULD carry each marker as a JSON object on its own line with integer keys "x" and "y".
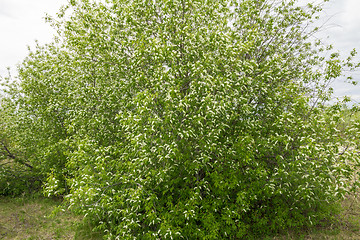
{"x": 16, "y": 174}
{"x": 16, "y": 180}
{"x": 187, "y": 119}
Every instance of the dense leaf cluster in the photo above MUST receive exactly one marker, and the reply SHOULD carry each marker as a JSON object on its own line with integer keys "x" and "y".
{"x": 183, "y": 119}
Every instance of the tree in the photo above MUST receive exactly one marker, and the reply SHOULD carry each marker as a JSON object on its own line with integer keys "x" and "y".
{"x": 188, "y": 119}
{"x": 17, "y": 175}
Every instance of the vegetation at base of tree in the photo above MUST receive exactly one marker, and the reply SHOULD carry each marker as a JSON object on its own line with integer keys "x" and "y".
{"x": 183, "y": 119}
{"x": 36, "y": 217}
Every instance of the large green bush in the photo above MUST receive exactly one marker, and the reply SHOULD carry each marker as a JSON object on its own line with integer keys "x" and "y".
{"x": 187, "y": 119}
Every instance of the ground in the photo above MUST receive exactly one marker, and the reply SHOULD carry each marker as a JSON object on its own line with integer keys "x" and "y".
{"x": 33, "y": 218}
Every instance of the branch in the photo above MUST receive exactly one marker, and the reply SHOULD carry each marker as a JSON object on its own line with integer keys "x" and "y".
{"x": 12, "y": 156}
{"x": 4, "y": 164}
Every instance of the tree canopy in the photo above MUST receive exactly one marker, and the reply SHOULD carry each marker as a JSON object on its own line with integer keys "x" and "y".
{"x": 184, "y": 119}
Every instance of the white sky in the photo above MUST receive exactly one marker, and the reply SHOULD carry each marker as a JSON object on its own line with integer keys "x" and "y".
{"x": 343, "y": 30}
{"x": 22, "y": 22}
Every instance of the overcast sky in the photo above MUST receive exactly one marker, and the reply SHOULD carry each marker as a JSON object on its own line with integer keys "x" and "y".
{"x": 22, "y": 22}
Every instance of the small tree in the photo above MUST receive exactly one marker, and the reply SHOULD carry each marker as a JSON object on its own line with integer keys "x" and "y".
{"x": 188, "y": 119}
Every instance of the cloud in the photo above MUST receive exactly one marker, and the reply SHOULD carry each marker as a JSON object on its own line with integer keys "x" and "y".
{"x": 5, "y": 9}
{"x": 342, "y": 29}
{"x": 21, "y": 23}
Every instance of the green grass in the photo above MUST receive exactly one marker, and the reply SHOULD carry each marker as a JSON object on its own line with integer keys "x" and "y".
{"x": 32, "y": 218}
{"x": 346, "y": 228}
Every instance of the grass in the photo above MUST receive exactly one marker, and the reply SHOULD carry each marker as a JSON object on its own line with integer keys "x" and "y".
{"x": 32, "y": 218}
{"x": 347, "y": 227}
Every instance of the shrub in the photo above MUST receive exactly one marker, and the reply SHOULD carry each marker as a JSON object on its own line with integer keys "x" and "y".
{"x": 189, "y": 119}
